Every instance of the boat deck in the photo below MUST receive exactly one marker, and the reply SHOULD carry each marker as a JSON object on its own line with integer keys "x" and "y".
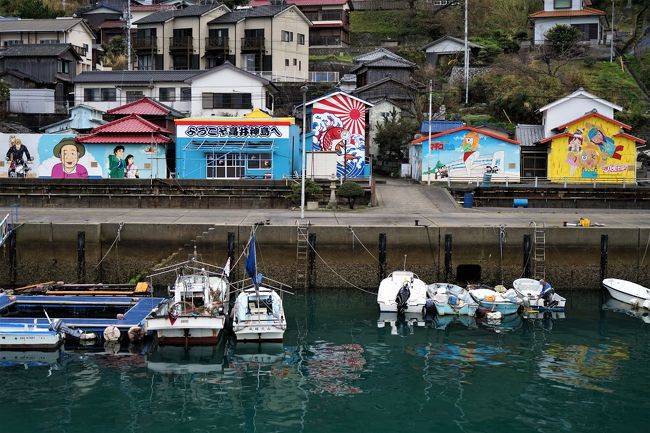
{"x": 137, "y": 310}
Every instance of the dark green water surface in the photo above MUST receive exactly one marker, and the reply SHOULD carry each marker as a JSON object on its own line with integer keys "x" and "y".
{"x": 338, "y": 372}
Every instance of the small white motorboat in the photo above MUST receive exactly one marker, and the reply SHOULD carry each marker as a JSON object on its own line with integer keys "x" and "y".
{"x": 628, "y": 292}
{"x": 30, "y": 336}
{"x": 451, "y": 299}
{"x": 402, "y": 292}
{"x": 490, "y": 300}
{"x": 540, "y": 298}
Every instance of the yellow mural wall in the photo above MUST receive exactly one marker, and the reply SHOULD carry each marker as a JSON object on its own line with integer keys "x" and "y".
{"x": 592, "y": 154}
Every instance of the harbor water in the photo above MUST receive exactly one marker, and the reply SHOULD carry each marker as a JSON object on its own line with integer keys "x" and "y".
{"x": 337, "y": 371}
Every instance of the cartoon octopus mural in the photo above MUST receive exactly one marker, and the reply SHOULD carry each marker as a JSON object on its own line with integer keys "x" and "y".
{"x": 589, "y": 149}
{"x": 339, "y": 125}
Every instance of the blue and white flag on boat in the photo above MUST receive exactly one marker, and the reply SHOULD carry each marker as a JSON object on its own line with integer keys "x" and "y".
{"x": 251, "y": 262}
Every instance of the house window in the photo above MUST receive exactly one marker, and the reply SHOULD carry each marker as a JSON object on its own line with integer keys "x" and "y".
{"x": 295, "y": 62}
{"x": 145, "y": 63}
{"x": 287, "y": 36}
{"x": 49, "y": 41}
{"x": 300, "y": 65}
{"x": 63, "y": 67}
{"x": 100, "y": 94}
{"x": 259, "y": 160}
{"x": 301, "y": 39}
{"x": 249, "y": 62}
{"x": 186, "y": 93}
{"x": 167, "y": 94}
{"x": 13, "y": 42}
{"x": 562, "y": 4}
{"x": 227, "y": 100}
{"x": 589, "y": 31}
{"x": 286, "y": 62}
{"x": 134, "y": 95}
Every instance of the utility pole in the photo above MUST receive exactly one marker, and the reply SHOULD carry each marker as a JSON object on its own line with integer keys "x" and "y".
{"x": 466, "y": 59}
{"x": 611, "y": 45}
{"x": 429, "y": 150}
{"x": 303, "y": 89}
{"x": 128, "y": 35}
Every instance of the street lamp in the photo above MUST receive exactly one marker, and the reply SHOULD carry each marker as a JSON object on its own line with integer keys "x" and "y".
{"x": 429, "y": 151}
{"x": 303, "y": 89}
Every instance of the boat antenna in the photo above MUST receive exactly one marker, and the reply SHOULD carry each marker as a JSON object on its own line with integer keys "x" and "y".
{"x": 405, "y": 261}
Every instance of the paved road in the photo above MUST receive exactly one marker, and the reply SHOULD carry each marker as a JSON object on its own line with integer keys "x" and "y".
{"x": 399, "y": 204}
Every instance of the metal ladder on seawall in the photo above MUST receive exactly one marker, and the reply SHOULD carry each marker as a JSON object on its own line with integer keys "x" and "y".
{"x": 302, "y": 248}
{"x": 539, "y": 251}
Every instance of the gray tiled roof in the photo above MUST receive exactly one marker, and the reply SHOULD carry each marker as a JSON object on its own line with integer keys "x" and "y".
{"x": 44, "y": 25}
{"x": 386, "y": 63}
{"x": 35, "y": 50}
{"x": 529, "y": 135}
{"x": 376, "y": 54}
{"x": 257, "y": 12}
{"x": 118, "y": 77}
{"x": 190, "y": 11}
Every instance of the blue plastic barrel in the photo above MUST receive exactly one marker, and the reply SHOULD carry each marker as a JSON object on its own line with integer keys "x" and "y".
{"x": 520, "y": 202}
{"x": 468, "y": 200}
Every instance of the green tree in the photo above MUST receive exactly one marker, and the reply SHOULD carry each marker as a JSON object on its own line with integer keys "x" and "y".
{"x": 351, "y": 191}
{"x": 394, "y": 133}
{"x": 28, "y": 9}
{"x": 561, "y": 48}
{"x": 312, "y": 189}
{"x": 4, "y": 91}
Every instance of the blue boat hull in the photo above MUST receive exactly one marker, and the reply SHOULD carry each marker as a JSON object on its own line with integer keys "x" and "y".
{"x": 501, "y": 307}
{"x": 444, "y": 309}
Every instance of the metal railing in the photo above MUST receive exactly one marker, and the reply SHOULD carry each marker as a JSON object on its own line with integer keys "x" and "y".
{"x": 325, "y": 41}
{"x": 216, "y": 44}
{"x": 252, "y": 44}
{"x": 603, "y": 181}
{"x": 324, "y": 76}
{"x": 180, "y": 42}
{"x": 145, "y": 43}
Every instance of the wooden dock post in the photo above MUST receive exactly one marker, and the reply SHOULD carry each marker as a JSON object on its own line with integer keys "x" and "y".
{"x": 81, "y": 257}
{"x": 448, "y": 248}
{"x": 527, "y": 246}
{"x": 382, "y": 257}
{"x": 311, "y": 259}
{"x": 604, "y": 240}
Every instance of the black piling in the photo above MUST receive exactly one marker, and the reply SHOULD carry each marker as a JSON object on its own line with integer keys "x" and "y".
{"x": 447, "y": 256}
{"x": 527, "y": 245}
{"x": 311, "y": 258}
{"x": 382, "y": 256}
{"x": 231, "y": 251}
{"x": 604, "y": 240}
{"x": 13, "y": 259}
{"x": 81, "y": 257}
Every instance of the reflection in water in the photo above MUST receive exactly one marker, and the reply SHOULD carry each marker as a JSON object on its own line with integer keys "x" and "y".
{"x": 582, "y": 366}
{"x": 612, "y": 304}
{"x": 462, "y": 355}
{"x": 508, "y": 323}
{"x": 331, "y": 368}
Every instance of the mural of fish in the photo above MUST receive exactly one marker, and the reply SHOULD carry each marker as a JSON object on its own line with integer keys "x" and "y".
{"x": 330, "y": 137}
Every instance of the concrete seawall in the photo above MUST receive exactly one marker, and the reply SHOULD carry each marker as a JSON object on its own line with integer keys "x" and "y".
{"x": 49, "y": 251}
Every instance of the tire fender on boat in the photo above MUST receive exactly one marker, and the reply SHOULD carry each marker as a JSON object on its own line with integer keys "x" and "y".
{"x": 135, "y": 334}
{"x": 112, "y": 333}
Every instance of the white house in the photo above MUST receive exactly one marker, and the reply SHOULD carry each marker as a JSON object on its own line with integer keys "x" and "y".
{"x": 447, "y": 46}
{"x": 573, "y": 106}
{"x": 224, "y": 90}
{"x": 576, "y": 13}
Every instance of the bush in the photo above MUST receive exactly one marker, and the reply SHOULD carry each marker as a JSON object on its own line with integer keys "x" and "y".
{"x": 312, "y": 189}
{"x": 350, "y": 190}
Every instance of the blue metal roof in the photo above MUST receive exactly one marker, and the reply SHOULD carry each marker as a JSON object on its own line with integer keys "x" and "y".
{"x": 438, "y": 126}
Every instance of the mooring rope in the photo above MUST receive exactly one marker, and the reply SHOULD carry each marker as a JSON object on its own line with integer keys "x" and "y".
{"x": 646, "y": 250}
{"x": 337, "y": 274}
{"x": 117, "y": 238}
{"x": 364, "y": 247}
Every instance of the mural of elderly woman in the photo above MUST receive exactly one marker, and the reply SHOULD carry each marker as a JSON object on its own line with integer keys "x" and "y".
{"x": 69, "y": 152}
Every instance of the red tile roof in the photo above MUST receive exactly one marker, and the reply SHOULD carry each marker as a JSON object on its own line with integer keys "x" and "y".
{"x": 466, "y": 128}
{"x": 131, "y": 124}
{"x": 592, "y": 114}
{"x": 112, "y": 24}
{"x": 154, "y": 8}
{"x": 144, "y": 107}
{"x": 631, "y": 137}
{"x": 586, "y": 12}
{"x": 99, "y": 138}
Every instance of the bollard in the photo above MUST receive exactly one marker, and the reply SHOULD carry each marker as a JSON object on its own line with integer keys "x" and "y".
{"x": 311, "y": 256}
{"x": 11, "y": 242}
{"x": 81, "y": 257}
{"x": 447, "y": 257}
{"x": 527, "y": 245}
{"x": 604, "y": 239}
{"x": 231, "y": 250}
{"x": 382, "y": 256}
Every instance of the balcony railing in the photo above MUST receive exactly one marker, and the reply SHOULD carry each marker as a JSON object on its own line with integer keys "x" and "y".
{"x": 252, "y": 44}
{"x": 323, "y": 77}
{"x": 323, "y": 41}
{"x": 180, "y": 43}
{"x": 298, "y": 76}
{"x": 216, "y": 44}
{"x": 145, "y": 43}
{"x": 82, "y": 51}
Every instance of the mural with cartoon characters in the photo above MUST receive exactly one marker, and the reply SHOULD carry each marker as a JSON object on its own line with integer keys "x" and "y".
{"x": 62, "y": 156}
{"x": 466, "y": 154}
{"x": 339, "y": 125}
{"x": 593, "y": 148}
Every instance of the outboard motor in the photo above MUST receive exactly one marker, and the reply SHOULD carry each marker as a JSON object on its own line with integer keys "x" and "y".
{"x": 402, "y": 298}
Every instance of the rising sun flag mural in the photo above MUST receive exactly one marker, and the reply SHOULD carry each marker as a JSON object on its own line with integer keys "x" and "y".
{"x": 339, "y": 125}
{"x": 592, "y": 148}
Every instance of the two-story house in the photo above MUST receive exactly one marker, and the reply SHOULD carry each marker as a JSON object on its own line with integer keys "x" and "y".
{"x": 176, "y": 38}
{"x": 382, "y": 63}
{"x": 575, "y": 13}
{"x": 272, "y": 41}
{"x": 221, "y": 91}
{"x": 74, "y": 31}
{"x": 41, "y": 66}
{"x": 330, "y": 20}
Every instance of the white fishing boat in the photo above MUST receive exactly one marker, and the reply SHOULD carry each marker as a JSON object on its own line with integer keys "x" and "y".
{"x": 402, "y": 292}
{"x": 539, "y": 297}
{"x": 451, "y": 299}
{"x": 258, "y": 312}
{"x": 30, "y": 336}
{"x": 628, "y": 292}
{"x": 491, "y": 300}
{"x": 197, "y": 310}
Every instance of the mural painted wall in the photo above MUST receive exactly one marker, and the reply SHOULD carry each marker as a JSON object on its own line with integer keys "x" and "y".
{"x": 339, "y": 125}
{"x": 592, "y": 151}
{"x": 468, "y": 154}
{"x": 60, "y": 156}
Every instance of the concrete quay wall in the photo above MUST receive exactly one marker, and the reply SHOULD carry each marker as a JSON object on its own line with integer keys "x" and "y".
{"x": 46, "y": 252}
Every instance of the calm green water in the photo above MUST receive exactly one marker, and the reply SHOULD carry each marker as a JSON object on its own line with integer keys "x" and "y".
{"x": 338, "y": 372}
